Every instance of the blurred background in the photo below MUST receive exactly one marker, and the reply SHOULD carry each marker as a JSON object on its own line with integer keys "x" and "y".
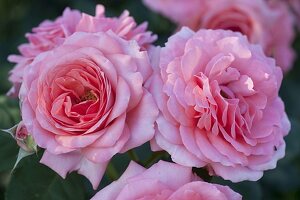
{"x": 31, "y": 180}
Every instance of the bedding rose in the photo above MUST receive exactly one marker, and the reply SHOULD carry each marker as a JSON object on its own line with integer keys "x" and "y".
{"x": 280, "y": 46}
{"x": 124, "y": 26}
{"x": 219, "y": 104}
{"x": 50, "y": 34}
{"x": 184, "y": 13}
{"x": 164, "y": 181}
{"x": 294, "y": 6}
{"x": 269, "y": 26}
{"x": 84, "y": 102}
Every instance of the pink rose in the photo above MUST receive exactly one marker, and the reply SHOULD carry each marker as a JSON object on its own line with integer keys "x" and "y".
{"x": 219, "y": 105}
{"x": 253, "y": 18}
{"x": 280, "y": 46}
{"x": 294, "y": 6}
{"x": 124, "y": 26}
{"x": 49, "y": 35}
{"x": 16, "y": 74}
{"x": 163, "y": 181}
{"x": 84, "y": 102}
{"x": 183, "y": 12}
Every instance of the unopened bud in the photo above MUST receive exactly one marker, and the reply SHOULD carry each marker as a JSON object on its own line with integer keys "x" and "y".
{"x": 23, "y": 137}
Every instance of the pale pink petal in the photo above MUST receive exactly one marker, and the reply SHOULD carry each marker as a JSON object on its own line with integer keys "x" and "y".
{"x": 63, "y": 163}
{"x": 111, "y": 134}
{"x": 113, "y": 190}
{"x": 178, "y": 153}
{"x": 127, "y": 69}
{"x": 140, "y": 122}
{"x": 198, "y": 190}
{"x": 103, "y": 154}
{"x": 168, "y": 130}
{"x": 158, "y": 171}
{"x": 240, "y": 173}
{"x": 92, "y": 171}
{"x": 122, "y": 100}
{"x": 178, "y": 10}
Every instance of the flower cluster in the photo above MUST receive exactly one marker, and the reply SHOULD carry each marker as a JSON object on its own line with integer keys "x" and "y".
{"x": 257, "y": 19}
{"x": 91, "y": 87}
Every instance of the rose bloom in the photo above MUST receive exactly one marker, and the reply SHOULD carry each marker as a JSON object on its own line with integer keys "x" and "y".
{"x": 294, "y": 6}
{"x": 163, "y": 181}
{"x": 84, "y": 102}
{"x": 182, "y": 12}
{"x": 269, "y": 26}
{"x": 124, "y": 26}
{"x": 50, "y": 34}
{"x": 219, "y": 105}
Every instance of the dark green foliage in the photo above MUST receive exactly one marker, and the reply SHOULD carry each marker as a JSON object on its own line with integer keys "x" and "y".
{"x": 32, "y": 180}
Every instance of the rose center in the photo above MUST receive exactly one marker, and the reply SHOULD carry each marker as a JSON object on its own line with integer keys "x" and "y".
{"x": 235, "y": 29}
{"x": 89, "y": 95}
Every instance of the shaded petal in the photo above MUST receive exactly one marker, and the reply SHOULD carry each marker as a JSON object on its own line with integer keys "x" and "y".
{"x": 179, "y": 153}
{"x": 123, "y": 96}
{"x": 63, "y": 163}
{"x": 240, "y": 173}
{"x": 112, "y": 191}
{"x": 140, "y": 122}
{"x": 103, "y": 154}
{"x": 92, "y": 171}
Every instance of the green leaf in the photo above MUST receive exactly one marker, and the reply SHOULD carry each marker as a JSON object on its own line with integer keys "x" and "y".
{"x": 283, "y": 179}
{"x": 8, "y": 146}
{"x": 34, "y": 181}
{"x": 5, "y": 118}
{"x": 1, "y": 193}
{"x": 22, "y": 154}
{"x": 5, "y": 85}
{"x": 8, "y": 151}
{"x": 290, "y": 94}
{"x": 9, "y": 112}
